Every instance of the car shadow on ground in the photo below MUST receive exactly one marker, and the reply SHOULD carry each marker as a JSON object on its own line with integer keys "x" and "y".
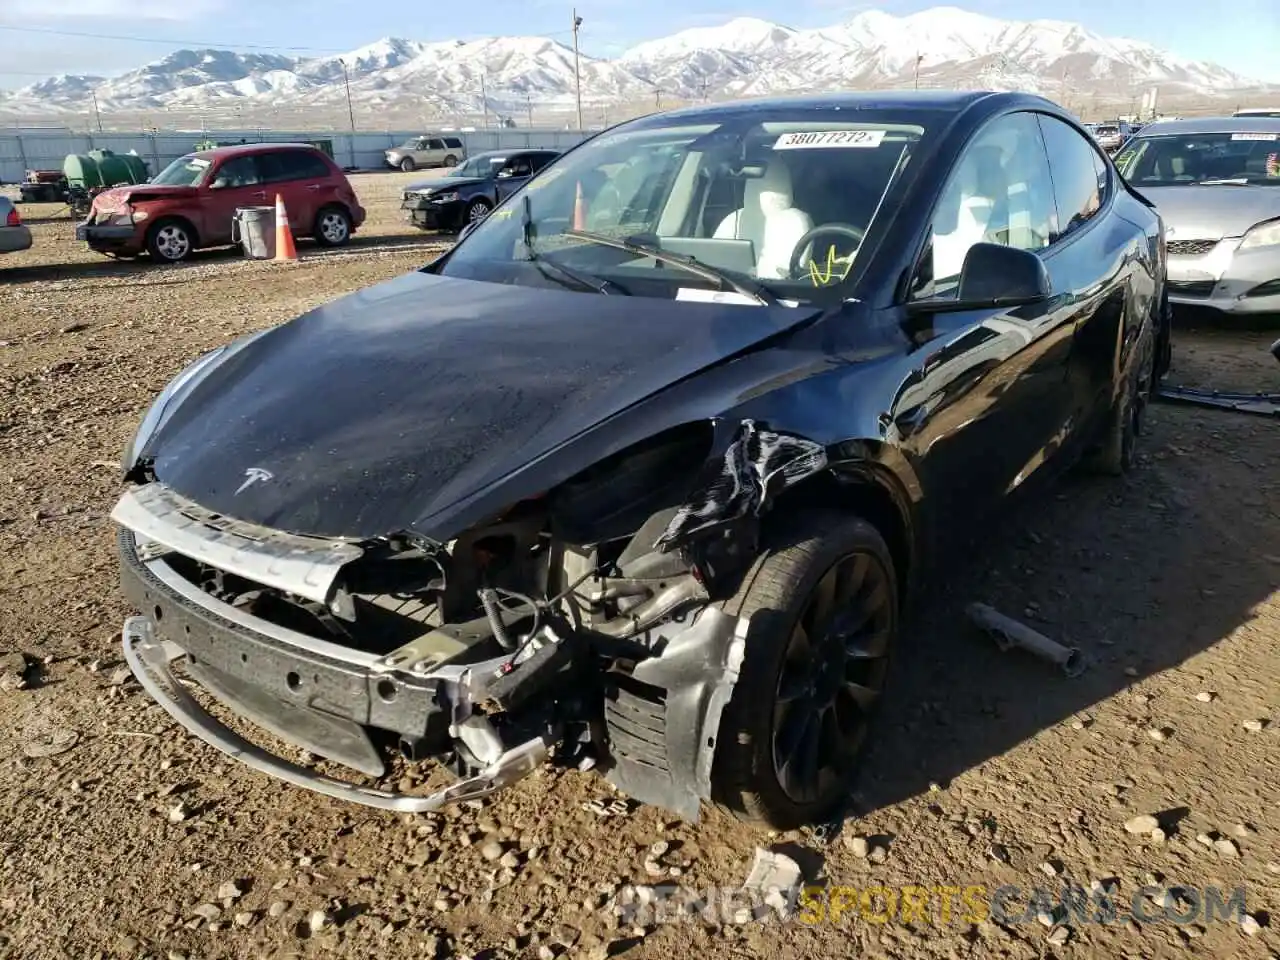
{"x": 1141, "y": 573}
{"x": 108, "y": 268}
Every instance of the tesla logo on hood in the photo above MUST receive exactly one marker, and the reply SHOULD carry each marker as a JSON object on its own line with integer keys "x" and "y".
{"x": 252, "y": 476}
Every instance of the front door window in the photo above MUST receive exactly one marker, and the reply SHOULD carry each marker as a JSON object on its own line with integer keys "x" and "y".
{"x": 999, "y": 191}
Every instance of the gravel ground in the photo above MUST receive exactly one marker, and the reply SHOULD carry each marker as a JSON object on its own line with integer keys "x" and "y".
{"x": 119, "y": 836}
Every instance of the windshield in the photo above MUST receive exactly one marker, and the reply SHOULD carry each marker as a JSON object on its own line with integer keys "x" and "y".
{"x": 1107, "y": 131}
{"x": 183, "y": 172}
{"x": 481, "y": 166}
{"x": 779, "y": 207}
{"x": 1203, "y": 158}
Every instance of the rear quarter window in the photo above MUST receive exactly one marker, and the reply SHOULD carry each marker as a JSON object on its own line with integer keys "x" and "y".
{"x": 453, "y": 142}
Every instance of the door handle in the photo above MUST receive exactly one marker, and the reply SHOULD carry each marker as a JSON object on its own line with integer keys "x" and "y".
{"x": 314, "y": 186}
{"x": 260, "y": 195}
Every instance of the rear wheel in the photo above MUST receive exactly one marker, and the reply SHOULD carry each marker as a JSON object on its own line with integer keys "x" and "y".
{"x": 333, "y": 227}
{"x": 407, "y": 165}
{"x": 170, "y": 241}
{"x": 823, "y": 620}
{"x": 1117, "y": 450}
{"x": 451, "y": 161}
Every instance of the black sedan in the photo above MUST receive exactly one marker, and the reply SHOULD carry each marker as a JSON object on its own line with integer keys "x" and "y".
{"x": 468, "y": 192}
{"x": 642, "y": 474}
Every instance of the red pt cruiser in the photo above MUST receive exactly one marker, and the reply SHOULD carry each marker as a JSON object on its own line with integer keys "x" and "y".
{"x": 192, "y": 203}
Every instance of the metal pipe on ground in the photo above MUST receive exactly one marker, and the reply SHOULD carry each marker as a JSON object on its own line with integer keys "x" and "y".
{"x": 1009, "y": 633}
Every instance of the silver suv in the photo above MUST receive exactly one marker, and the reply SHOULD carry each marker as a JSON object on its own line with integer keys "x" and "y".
{"x": 427, "y": 151}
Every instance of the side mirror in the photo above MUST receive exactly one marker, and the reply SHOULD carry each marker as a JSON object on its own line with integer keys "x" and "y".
{"x": 994, "y": 276}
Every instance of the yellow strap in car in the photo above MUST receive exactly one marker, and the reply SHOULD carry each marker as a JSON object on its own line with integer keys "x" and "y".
{"x": 820, "y": 279}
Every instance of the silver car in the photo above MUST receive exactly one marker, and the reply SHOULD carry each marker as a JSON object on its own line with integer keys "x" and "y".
{"x": 1216, "y": 183}
{"x": 13, "y": 235}
{"x": 428, "y": 151}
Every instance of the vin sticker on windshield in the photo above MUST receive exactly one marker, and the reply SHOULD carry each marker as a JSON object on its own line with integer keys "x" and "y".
{"x": 818, "y": 139}
{"x": 1256, "y": 136}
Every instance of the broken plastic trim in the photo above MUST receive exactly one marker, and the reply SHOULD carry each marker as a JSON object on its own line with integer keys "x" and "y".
{"x": 698, "y": 668}
{"x": 756, "y": 467}
{"x": 1265, "y": 404}
{"x": 149, "y": 660}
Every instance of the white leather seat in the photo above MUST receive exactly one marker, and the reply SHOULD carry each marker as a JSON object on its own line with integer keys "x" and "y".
{"x": 768, "y": 219}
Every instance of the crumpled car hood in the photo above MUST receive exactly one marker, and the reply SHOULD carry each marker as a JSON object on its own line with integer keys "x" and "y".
{"x": 390, "y": 404}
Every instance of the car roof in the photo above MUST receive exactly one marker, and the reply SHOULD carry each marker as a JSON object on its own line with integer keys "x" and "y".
{"x": 508, "y": 154}
{"x": 877, "y": 106}
{"x": 220, "y": 153}
{"x": 1212, "y": 125}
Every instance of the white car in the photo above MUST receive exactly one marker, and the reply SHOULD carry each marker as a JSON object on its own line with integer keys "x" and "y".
{"x": 14, "y": 236}
{"x": 429, "y": 151}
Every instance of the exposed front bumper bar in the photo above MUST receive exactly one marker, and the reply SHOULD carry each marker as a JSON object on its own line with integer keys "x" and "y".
{"x": 150, "y": 659}
{"x": 106, "y": 233}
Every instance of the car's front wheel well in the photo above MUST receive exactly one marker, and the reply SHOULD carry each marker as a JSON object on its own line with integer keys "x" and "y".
{"x": 863, "y": 497}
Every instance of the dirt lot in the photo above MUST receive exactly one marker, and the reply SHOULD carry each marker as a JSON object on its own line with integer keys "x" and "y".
{"x": 990, "y": 769}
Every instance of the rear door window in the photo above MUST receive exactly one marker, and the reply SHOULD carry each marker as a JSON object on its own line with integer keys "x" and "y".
{"x": 1073, "y": 162}
{"x": 285, "y": 165}
{"x": 435, "y": 144}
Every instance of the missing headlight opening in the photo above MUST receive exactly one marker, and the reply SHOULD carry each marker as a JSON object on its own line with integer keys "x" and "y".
{"x": 586, "y": 626}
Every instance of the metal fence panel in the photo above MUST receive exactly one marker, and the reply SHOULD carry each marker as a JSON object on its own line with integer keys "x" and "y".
{"x": 46, "y": 151}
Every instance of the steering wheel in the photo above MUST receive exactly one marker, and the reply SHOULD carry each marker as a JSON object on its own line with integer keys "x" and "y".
{"x": 825, "y": 270}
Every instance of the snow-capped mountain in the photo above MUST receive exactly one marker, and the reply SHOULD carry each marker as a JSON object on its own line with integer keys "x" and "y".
{"x": 941, "y": 47}
{"x": 954, "y": 47}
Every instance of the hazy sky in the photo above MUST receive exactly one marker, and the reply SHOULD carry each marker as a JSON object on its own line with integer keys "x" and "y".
{"x": 1243, "y": 36}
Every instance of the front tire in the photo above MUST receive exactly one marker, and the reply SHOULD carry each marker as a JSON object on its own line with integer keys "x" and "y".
{"x": 822, "y": 606}
{"x": 170, "y": 241}
{"x": 407, "y": 165}
{"x": 477, "y": 210}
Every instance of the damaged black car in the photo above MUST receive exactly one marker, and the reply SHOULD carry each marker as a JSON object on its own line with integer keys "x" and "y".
{"x": 639, "y": 476}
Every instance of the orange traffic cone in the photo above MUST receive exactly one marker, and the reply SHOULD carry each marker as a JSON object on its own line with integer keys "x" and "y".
{"x": 579, "y": 210}
{"x": 285, "y": 250}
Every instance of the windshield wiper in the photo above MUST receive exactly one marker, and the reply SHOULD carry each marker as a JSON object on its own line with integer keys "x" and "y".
{"x": 1225, "y": 182}
{"x": 558, "y": 272}
{"x": 757, "y": 291}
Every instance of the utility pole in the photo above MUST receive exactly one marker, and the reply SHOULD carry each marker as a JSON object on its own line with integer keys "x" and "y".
{"x": 657, "y": 99}
{"x": 1065, "y": 73}
{"x": 484, "y": 102}
{"x": 919, "y": 57}
{"x": 703, "y": 84}
{"x": 346, "y": 80}
{"x": 96, "y": 113}
{"x": 351, "y": 112}
{"x": 577, "y": 70}
{"x": 528, "y": 105}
